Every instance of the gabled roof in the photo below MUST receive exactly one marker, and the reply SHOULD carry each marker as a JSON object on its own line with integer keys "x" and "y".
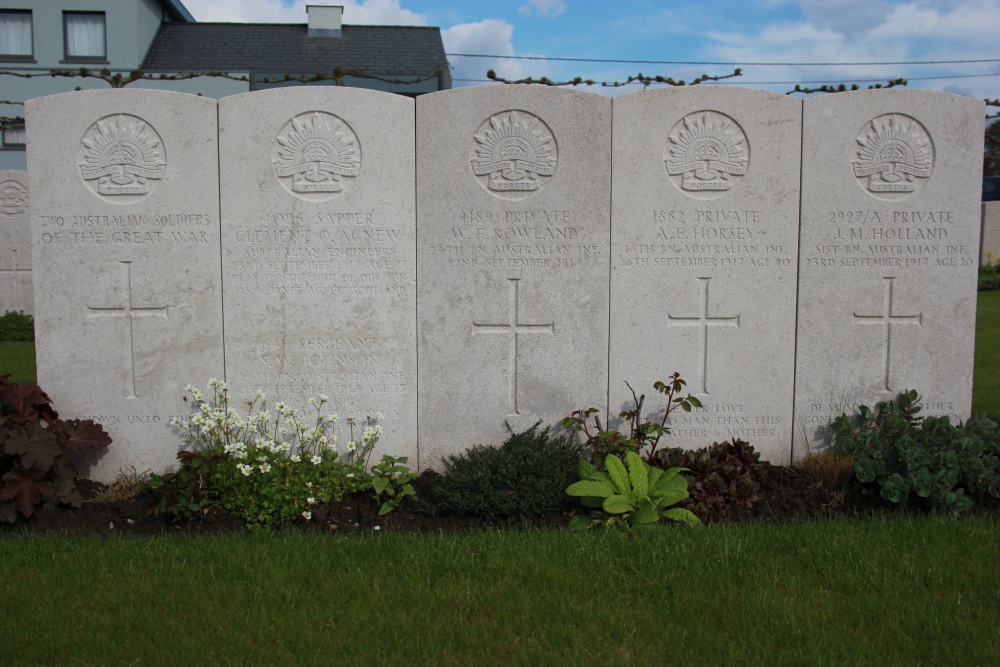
{"x": 288, "y": 49}
{"x": 177, "y": 10}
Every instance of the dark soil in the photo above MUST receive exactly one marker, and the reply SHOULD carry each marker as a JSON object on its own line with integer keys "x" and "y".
{"x": 785, "y": 495}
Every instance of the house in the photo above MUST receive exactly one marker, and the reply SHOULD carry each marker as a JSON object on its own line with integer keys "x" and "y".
{"x": 160, "y": 37}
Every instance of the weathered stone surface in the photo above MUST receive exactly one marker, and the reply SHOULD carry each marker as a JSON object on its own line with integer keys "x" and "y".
{"x": 990, "y": 250}
{"x": 125, "y": 258}
{"x": 513, "y": 228}
{"x": 15, "y": 243}
{"x": 703, "y": 260}
{"x": 889, "y": 253}
{"x": 318, "y": 244}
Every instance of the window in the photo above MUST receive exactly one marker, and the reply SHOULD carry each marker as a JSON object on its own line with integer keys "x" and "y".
{"x": 84, "y": 33}
{"x": 14, "y": 136}
{"x": 15, "y": 35}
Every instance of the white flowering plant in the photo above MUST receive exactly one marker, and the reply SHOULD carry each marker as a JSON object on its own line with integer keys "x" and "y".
{"x": 270, "y": 466}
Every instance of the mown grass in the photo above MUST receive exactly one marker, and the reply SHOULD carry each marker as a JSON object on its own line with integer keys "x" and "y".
{"x": 18, "y": 359}
{"x": 903, "y": 591}
{"x": 986, "y": 380}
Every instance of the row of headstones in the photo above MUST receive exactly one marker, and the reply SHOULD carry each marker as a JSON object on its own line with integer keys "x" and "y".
{"x": 532, "y": 248}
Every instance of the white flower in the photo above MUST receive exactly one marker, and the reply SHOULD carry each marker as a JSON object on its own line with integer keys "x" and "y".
{"x": 311, "y": 500}
{"x": 307, "y": 515}
{"x": 378, "y": 527}
{"x": 265, "y": 467}
{"x": 309, "y": 485}
{"x": 350, "y": 474}
{"x": 279, "y": 406}
{"x": 323, "y": 398}
{"x": 351, "y": 446}
{"x": 296, "y": 458}
{"x": 312, "y": 401}
{"x": 212, "y": 383}
{"x": 379, "y": 415}
{"x": 245, "y": 469}
{"x": 261, "y": 394}
{"x": 316, "y": 459}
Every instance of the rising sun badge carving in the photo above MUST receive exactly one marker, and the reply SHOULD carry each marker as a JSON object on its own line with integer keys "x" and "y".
{"x": 707, "y": 153}
{"x": 894, "y": 155}
{"x": 514, "y": 150}
{"x": 316, "y": 152}
{"x": 122, "y": 155}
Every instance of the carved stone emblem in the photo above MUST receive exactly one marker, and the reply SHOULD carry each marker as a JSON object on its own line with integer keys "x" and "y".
{"x": 514, "y": 150}
{"x": 707, "y": 154}
{"x": 316, "y": 153}
{"x": 894, "y": 156}
{"x": 13, "y": 198}
{"x": 122, "y": 155}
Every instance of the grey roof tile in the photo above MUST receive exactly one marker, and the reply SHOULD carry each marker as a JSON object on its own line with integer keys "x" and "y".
{"x": 287, "y": 48}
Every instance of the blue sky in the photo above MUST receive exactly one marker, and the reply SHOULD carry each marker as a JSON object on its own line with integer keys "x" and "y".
{"x": 728, "y": 31}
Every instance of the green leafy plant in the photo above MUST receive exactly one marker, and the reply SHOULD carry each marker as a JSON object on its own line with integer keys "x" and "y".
{"x": 524, "y": 477}
{"x": 267, "y": 468}
{"x": 643, "y": 437}
{"x": 391, "y": 477}
{"x": 40, "y": 454}
{"x": 722, "y": 477}
{"x": 636, "y": 494}
{"x": 989, "y": 273}
{"x": 16, "y": 326}
{"x": 904, "y": 453}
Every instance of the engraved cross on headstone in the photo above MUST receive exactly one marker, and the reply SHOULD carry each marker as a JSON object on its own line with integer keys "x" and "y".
{"x": 17, "y": 281}
{"x": 703, "y": 321}
{"x": 886, "y": 320}
{"x": 514, "y": 328}
{"x": 129, "y": 312}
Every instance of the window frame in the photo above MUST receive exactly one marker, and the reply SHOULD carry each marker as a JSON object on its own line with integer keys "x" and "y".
{"x": 67, "y": 58}
{"x": 11, "y": 125}
{"x": 21, "y": 57}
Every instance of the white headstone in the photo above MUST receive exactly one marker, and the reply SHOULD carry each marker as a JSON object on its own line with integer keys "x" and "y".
{"x": 125, "y": 243}
{"x": 15, "y": 243}
{"x": 319, "y": 249}
{"x": 513, "y": 209}
{"x": 703, "y": 262}
{"x": 990, "y": 251}
{"x": 891, "y": 185}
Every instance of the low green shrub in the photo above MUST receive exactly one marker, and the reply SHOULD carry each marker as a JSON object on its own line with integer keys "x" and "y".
{"x": 39, "y": 452}
{"x": 643, "y": 436}
{"x": 930, "y": 457}
{"x": 989, "y": 273}
{"x": 722, "y": 477}
{"x": 16, "y": 326}
{"x": 524, "y": 477}
{"x": 267, "y": 469}
{"x": 634, "y": 495}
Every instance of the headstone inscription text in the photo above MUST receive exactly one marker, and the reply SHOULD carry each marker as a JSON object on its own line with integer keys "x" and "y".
{"x": 889, "y": 244}
{"x": 703, "y": 260}
{"x": 319, "y": 253}
{"x": 126, "y": 252}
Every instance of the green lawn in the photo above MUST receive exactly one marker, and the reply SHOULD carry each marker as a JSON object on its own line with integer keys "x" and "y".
{"x": 986, "y": 382}
{"x": 901, "y": 592}
{"x": 18, "y": 359}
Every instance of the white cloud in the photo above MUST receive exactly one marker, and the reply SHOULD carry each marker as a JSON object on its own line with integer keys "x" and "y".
{"x": 363, "y": 12}
{"x": 848, "y": 17}
{"x": 910, "y": 31}
{"x": 549, "y": 8}
{"x": 494, "y": 37}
